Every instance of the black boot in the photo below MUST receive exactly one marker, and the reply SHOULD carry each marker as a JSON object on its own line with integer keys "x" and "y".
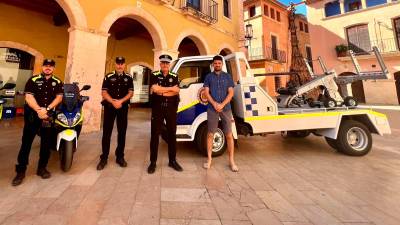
{"x": 42, "y": 172}
{"x": 174, "y": 165}
{"x": 102, "y": 164}
{"x": 121, "y": 162}
{"x": 18, "y": 178}
{"x": 152, "y": 168}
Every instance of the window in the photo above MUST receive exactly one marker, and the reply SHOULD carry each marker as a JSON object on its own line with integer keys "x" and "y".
{"x": 274, "y": 47}
{"x": 265, "y": 10}
{"x": 332, "y": 8}
{"x": 352, "y": 5}
{"x": 371, "y": 3}
{"x": 397, "y": 31}
{"x": 272, "y": 13}
{"x": 252, "y": 11}
{"x": 278, "y": 16}
{"x": 193, "y": 3}
{"x": 301, "y": 26}
{"x": 227, "y": 8}
{"x": 193, "y": 72}
{"x": 309, "y": 56}
{"x": 306, "y": 28}
{"x": 358, "y": 39}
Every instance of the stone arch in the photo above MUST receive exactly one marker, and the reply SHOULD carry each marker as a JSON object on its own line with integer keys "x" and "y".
{"x": 143, "y": 17}
{"x": 225, "y": 47}
{"x": 73, "y": 10}
{"x": 38, "y": 55}
{"x": 196, "y": 37}
{"x": 140, "y": 64}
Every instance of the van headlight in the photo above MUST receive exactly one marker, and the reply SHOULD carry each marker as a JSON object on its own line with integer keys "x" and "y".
{"x": 76, "y": 118}
{"x": 62, "y": 118}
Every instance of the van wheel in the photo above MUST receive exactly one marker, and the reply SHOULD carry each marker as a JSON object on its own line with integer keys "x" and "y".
{"x": 354, "y": 138}
{"x": 219, "y": 141}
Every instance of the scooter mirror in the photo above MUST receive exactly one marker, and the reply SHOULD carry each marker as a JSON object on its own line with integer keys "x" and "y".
{"x": 8, "y": 86}
{"x": 85, "y": 87}
{"x": 2, "y": 101}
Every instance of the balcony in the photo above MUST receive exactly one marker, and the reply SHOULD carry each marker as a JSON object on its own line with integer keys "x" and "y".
{"x": 387, "y": 47}
{"x": 205, "y": 10}
{"x": 267, "y": 53}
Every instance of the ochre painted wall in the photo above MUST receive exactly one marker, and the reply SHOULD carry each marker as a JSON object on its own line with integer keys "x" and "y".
{"x": 37, "y": 31}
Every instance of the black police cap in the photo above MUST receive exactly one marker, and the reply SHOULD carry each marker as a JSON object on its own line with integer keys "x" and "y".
{"x": 49, "y": 62}
{"x": 165, "y": 58}
{"x": 120, "y": 60}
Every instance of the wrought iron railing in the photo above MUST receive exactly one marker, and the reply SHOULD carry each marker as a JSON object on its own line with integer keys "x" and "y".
{"x": 204, "y": 9}
{"x": 267, "y": 53}
{"x": 384, "y": 46}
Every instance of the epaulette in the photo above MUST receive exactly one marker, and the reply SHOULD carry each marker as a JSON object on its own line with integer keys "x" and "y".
{"x": 110, "y": 74}
{"x": 173, "y": 74}
{"x": 35, "y": 77}
{"x": 156, "y": 73}
{"x": 127, "y": 74}
{"x": 56, "y": 79}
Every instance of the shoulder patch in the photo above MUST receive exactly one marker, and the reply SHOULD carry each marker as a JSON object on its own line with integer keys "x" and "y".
{"x": 56, "y": 79}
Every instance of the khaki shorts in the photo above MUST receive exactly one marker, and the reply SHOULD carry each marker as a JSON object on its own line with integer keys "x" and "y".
{"x": 213, "y": 120}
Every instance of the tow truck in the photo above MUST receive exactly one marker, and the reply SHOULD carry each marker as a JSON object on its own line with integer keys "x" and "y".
{"x": 346, "y": 129}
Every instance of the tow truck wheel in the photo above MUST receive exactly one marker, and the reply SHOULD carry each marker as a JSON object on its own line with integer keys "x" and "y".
{"x": 329, "y": 103}
{"x": 219, "y": 141}
{"x": 354, "y": 138}
{"x": 350, "y": 101}
{"x": 332, "y": 142}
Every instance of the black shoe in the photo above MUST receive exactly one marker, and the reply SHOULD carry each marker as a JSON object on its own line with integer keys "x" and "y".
{"x": 121, "y": 162}
{"x": 102, "y": 164}
{"x": 42, "y": 172}
{"x": 152, "y": 168}
{"x": 18, "y": 179}
{"x": 175, "y": 166}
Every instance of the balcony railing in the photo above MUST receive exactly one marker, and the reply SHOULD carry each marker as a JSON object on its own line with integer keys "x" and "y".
{"x": 384, "y": 45}
{"x": 206, "y": 10}
{"x": 267, "y": 53}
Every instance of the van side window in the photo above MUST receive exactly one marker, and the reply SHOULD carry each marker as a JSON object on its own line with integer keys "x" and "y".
{"x": 193, "y": 72}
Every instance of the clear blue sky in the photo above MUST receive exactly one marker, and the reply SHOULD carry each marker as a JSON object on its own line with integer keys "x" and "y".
{"x": 299, "y": 9}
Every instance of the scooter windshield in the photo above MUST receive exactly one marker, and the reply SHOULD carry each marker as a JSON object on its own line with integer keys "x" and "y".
{"x": 71, "y": 96}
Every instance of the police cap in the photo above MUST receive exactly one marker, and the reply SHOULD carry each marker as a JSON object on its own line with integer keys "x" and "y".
{"x": 165, "y": 58}
{"x": 120, "y": 60}
{"x": 49, "y": 62}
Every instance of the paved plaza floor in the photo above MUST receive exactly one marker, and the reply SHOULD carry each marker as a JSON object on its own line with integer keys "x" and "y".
{"x": 281, "y": 181}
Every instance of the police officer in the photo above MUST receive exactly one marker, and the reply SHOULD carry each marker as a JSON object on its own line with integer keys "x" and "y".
{"x": 117, "y": 90}
{"x": 43, "y": 93}
{"x": 165, "y": 98}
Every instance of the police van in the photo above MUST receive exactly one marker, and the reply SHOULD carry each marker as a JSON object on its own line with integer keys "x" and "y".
{"x": 348, "y": 130}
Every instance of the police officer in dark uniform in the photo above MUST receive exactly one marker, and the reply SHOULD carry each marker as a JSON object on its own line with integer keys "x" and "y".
{"x": 117, "y": 90}
{"x": 164, "y": 99}
{"x": 43, "y": 93}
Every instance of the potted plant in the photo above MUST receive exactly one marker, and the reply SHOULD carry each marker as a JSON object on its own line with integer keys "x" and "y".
{"x": 341, "y": 50}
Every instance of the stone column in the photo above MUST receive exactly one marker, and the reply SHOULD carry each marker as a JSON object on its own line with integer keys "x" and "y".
{"x": 363, "y": 4}
{"x": 158, "y": 52}
{"x": 85, "y": 64}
